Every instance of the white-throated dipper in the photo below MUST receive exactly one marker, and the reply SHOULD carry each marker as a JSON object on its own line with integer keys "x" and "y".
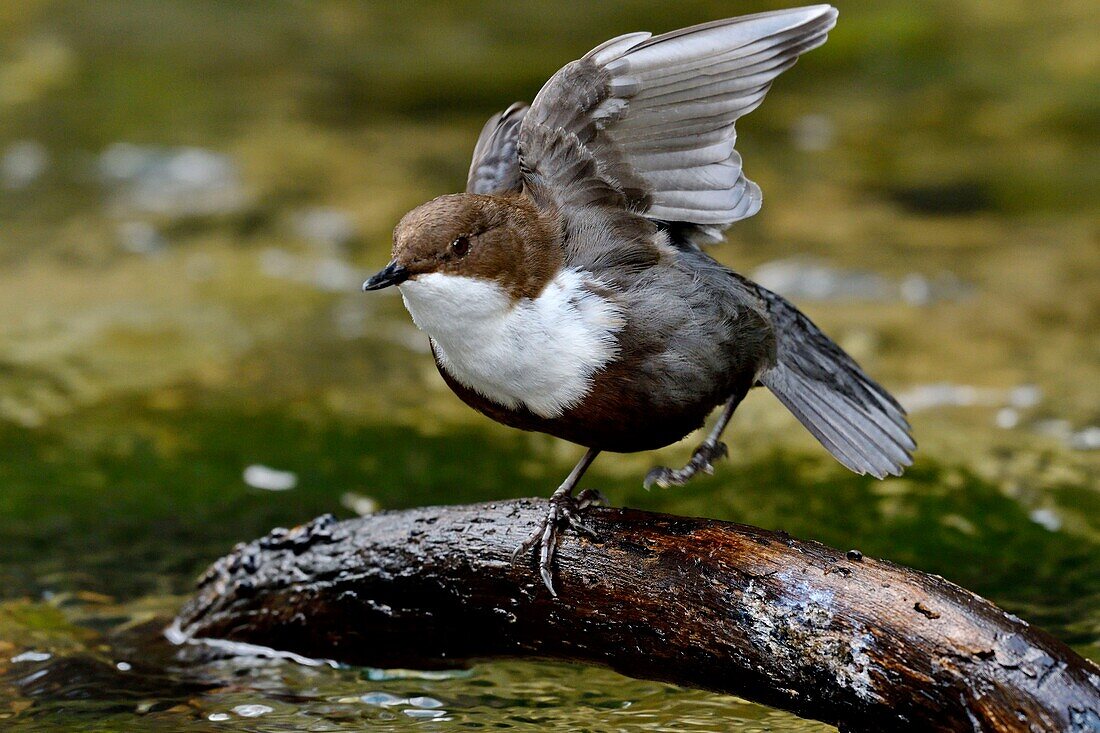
{"x": 567, "y": 292}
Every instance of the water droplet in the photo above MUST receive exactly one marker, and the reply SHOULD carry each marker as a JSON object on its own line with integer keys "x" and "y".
{"x": 1007, "y": 418}
{"x": 1087, "y": 439}
{"x": 383, "y": 699}
{"x": 358, "y": 503}
{"x": 419, "y": 713}
{"x": 269, "y": 479}
{"x": 253, "y": 710}
{"x": 22, "y": 163}
{"x": 1047, "y": 519}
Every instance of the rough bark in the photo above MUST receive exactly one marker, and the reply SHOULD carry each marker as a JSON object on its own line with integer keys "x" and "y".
{"x": 855, "y": 641}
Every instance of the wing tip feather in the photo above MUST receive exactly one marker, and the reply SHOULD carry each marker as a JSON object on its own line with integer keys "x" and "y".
{"x": 848, "y": 430}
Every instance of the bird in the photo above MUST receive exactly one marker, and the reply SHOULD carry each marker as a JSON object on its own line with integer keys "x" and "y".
{"x": 568, "y": 289}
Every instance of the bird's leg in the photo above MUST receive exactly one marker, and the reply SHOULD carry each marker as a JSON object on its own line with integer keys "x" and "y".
{"x": 564, "y": 512}
{"x": 709, "y": 451}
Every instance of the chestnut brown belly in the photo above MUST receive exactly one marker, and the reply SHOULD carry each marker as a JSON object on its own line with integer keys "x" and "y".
{"x": 615, "y": 416}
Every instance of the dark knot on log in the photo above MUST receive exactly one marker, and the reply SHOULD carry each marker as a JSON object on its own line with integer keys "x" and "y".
{"x": 858, "y": 642}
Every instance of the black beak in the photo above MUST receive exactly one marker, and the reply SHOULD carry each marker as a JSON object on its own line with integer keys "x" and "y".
{"x": 393, "y": 274}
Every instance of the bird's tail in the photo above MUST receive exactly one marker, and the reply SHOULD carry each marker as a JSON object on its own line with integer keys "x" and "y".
{"x": 857, "y": 420}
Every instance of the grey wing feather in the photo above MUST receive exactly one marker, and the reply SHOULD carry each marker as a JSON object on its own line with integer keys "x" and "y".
{"x": 657, "y": 114}
{"x": 856, "y": 420}
{"x": 494, "y": 168}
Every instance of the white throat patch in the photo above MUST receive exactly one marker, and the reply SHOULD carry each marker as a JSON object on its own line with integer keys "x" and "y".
{"x": 541, "y": 354}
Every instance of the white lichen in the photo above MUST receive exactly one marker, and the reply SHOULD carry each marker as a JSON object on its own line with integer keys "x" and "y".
{"x": 799, "y": 630}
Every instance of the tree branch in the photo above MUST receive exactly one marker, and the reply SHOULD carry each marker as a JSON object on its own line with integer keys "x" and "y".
{"x": 854, "y": 641}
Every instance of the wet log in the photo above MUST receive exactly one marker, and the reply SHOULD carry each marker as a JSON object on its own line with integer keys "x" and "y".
{"x": 852, "y": 640}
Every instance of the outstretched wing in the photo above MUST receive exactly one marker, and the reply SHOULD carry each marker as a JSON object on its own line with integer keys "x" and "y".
{"x": 495, "y": 165}
{"x": 648, "y": 122}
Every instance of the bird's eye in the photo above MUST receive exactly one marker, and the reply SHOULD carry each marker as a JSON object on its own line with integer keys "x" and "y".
{"x": 461, "y": 246}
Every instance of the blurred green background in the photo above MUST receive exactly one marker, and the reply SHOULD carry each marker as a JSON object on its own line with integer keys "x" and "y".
{"x": 191, "y": 193}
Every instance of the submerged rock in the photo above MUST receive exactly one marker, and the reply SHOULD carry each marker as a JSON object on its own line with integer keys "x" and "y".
{"x": 1085, "y": 439}
{"x": 945, "y": 394}
{"x": 171, "y": 182}
{"x": 814, "y": 279}
{"x": 813, "y": 133}
{"x": 331, "y": 274}
{"x": 22, "y": 163}
{"x": 324, "y": 227}
{"x": 140, "y": 237}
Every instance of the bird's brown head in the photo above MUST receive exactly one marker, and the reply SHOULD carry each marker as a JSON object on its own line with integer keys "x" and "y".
{"x": 503, "y": 239}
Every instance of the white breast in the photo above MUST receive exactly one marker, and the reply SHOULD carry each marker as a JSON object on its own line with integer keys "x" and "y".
{"x": 540, "y": 353}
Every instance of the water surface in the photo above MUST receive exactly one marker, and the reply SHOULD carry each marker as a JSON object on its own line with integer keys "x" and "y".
{"x": 191, "y": 193}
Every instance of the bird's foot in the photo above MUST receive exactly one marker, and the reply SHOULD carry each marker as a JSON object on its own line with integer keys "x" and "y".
{"x": 565, "y": 511}
{"x": 701, "y": 460}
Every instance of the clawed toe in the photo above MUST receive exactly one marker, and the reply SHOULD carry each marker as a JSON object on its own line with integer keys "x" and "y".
{"x": 574, "y": 522}
{"x": 701, "y": 460}
{"x": 666, "y": 477}
{"x": 658, "y": 476}
{"x": 565, "y": 511}
{"x": 589, "y": 497}
{"x": 529, "y": 544}
{"x": 717, "y": 451}
{"x": 569, "y": 511}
